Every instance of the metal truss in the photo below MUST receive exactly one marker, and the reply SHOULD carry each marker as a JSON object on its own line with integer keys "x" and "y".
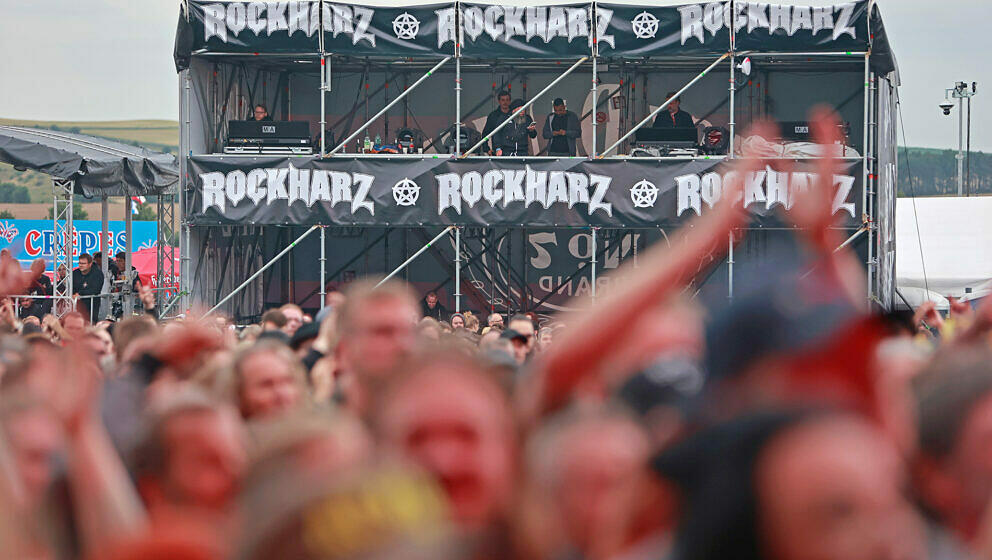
{"x": 62, "y": 191}
{"x": 166, "y": 261}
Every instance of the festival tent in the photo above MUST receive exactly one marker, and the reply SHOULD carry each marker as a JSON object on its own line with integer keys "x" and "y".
{"x": 92, "y": 167}
{"x": 944, "y": 248}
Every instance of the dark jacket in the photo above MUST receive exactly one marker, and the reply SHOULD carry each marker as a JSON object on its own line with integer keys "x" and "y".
{"x": 681, "y": 120}
{"x": 572, "y": 131}
{"x": 514, "y": 139}
{"x": 89, "y": 284}
{"x": 494, "y": 119}
{"x": 438, "y": 312}
{"x": 38, "y": 307}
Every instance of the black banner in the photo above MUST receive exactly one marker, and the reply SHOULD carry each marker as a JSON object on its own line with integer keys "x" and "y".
{"x": 294, "y": 27}
{"x": 633, "y": 30}
{"x": 560, "y": 31}
{"x": 568, "y": 192}
{"x": 785, "y": 28}
{"x": 247, "y": 27}
{"x": 424, "y": 30}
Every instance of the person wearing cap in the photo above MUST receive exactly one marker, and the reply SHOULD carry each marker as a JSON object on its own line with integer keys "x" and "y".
{"x": 561, "y": 128}
{"x": 673, "y": 117}
{"x": 457, "y": 321}
{"x": 521, "y": 344}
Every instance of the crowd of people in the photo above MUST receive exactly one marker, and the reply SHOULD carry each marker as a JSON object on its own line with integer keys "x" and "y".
{"x": 792, "y": 424}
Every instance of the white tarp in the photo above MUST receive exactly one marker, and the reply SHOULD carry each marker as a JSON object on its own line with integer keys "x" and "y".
{"x": 956, "y": 237}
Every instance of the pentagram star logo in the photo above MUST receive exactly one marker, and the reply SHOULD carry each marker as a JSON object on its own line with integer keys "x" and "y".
{"x": 645, "y": 25}
{"x": 644, "y": 194}
{"x": 406, "y": 192}
{"x": 405, "y": 26}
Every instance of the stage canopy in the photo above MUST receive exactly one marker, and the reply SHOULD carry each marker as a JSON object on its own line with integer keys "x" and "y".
{"x": 98, "y": 167}
{"x": 507, "y": 31}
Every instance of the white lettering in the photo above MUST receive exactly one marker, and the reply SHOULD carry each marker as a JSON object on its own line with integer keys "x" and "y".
{"x": 213, "y": 22}
{"x": 688, "y": 194}
{"x": 843, "y": 24}
{"x": 692, "y": 22}
{"x": 602, "y": 184}
{"x": 364, "y": 183}
{"x": 448, "y": 193}
{"x": 213, "y": 190}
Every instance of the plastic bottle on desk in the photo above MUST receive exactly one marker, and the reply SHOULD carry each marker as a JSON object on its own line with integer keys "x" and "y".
{"x": 368, "y": 143}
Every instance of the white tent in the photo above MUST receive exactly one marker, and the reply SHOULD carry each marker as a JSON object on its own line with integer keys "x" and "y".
{"x": 955, "y": 234}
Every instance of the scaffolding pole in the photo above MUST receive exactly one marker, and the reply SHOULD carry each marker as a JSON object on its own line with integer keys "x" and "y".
{"x": 664, "y": 105}
{"x": 592, "y": 251}
{"x": 258, "y": 272}
{"x": 415, "y": 255}
{"x": 127, "y": 288}
{"x": 730, "y": 266}
{"x": 864, "y": 165}
{"x": 390, "y": 105}
{"x": 458, "y": 96}
{"x": 524, "y": 107}
{"x": 595, "y": 97}
{"x": 185, "y": 282}
{"x": 323, "y": 266}
{"x": 104, "y": 249}
{"x": 458, "y": 270}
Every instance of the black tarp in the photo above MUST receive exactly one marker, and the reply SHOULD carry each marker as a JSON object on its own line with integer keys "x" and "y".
{"x": 98, "y": 166}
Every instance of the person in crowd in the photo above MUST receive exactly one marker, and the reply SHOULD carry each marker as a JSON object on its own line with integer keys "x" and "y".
{"x": 471, "y": 322}
{"x": 40, "y": 286}
{"x": 457, "y": 321}
{"x": 523, "y": 326}
{"x": 294, "y": 318}
{"x": 953, "y": 404}
{"x": 514, "y": 138}
{"x": 87, "y": 280}
{"x": 268, "y": 380}
{"x": 112, "y": 265}
{"x": 464, "y": 436}
{"x": 496, "y": 118}
{"x": 495, "y": 320}
{"x": 561, "y": 129}
{"x": 273, "y": 320}
{"x": 520, "y": 344}
{"x": 260, "y": 113}
{"x": 120, "y": 264}
{"x": 673, "y": 116}
{"x": 431, "y": 307}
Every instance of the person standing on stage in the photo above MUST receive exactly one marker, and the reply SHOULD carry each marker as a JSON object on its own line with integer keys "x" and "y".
{"x": 561, "y": 128}
{"x": 673, "y": 117}
{"x": 514, "y": 138}
{"x": 496, "y": 118}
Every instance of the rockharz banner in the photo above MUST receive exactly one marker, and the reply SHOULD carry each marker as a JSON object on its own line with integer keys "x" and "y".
{"x": 773, "y": 27}
{"x": 490, "y": 31}
{"x": 505, "y": 192}
{"x": 294, "y": 27}
{"x": 633, "y": 30}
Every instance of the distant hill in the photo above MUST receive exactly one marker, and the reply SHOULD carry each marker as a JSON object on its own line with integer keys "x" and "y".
{"x": 30, "y": 186}
{"x": 930, "y": 172}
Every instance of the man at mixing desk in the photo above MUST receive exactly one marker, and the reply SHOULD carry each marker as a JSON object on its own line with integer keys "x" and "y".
{"x": 673, "y": 117}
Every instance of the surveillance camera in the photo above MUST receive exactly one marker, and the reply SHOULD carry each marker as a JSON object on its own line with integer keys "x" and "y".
{"x": 946, "y": 106}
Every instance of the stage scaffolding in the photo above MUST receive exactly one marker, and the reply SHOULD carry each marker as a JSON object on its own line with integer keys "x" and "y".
{"x": 230, "y": 246}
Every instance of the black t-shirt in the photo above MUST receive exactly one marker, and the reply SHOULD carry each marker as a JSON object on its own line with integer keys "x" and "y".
{"x": 42, "y": 286}
{"x": 558, "y": 144}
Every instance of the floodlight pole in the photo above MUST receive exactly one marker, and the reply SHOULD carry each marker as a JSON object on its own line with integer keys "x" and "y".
{"x": 415, "y": 255}
{"x": 258, "y": 272}
{"x": 390, "y": 105}
{"x": 524, "y": 107}
{"x": 664, "y": 105}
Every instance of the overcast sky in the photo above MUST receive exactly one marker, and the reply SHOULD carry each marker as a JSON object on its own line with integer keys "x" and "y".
{"x": 112, "y": 59}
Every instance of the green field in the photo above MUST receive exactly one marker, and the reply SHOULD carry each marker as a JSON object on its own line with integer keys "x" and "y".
{"x": 160, "y": 135}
